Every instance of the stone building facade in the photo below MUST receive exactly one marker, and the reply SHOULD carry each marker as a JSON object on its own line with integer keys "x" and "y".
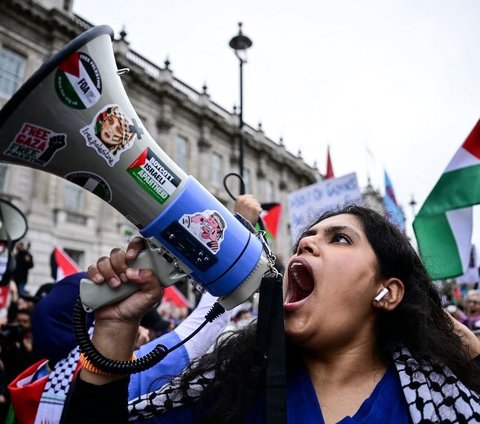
{"x": 198, "y": 134}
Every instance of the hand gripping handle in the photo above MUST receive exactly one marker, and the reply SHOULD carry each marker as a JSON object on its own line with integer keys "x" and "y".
{"x": 166, "y": 267}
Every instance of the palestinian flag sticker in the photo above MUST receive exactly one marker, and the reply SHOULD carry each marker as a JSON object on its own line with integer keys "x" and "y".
{"x": 77, "y": 81}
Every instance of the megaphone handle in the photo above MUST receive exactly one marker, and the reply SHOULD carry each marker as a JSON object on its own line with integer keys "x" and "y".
{"x": 167, "y": 269}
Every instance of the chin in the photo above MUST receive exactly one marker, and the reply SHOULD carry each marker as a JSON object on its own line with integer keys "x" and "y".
{"x": 295, "y": 325}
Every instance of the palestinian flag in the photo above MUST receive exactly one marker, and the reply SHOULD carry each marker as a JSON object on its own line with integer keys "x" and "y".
{"x": 443, "y": 226}
{"x": 62, "y": 264}
{"x": 175, "y": 297}
{"x": 270, "y": 218}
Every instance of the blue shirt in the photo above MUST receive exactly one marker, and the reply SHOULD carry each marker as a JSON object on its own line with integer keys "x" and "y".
{"x": 386, "y": 404}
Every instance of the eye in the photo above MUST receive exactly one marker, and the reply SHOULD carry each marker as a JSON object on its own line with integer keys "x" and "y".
{"x": 340, "y": 239}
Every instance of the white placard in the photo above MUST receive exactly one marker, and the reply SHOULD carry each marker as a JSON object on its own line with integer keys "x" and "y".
{"x": 311, "y": 201}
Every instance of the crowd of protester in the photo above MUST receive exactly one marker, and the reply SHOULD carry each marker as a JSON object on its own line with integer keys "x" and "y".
{"x": 463, "y": 303}
{"x": 27, "y": 323}
{"x": 18, "y": 312}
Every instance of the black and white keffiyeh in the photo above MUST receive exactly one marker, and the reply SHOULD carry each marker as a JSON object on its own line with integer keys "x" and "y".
{"x": 167, "y": 397}
{"x": 56, "y": 389}
{"x": 433, "y": 394}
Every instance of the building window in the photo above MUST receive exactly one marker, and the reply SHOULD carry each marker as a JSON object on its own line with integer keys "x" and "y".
{"x": 181, "y": 153}
{"x": 75, "y": 218}
{"x": 12, "y": 70}
{"x": 269, "y": 191}
{"x": 3, "y": 176}
{"x": 76, "y": 255}
{"x": 73, "y": 197}
{"x": 217, "y": 170}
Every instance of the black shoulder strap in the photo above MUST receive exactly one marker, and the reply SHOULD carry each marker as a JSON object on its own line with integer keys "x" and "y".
{"x": 270, "y": 360}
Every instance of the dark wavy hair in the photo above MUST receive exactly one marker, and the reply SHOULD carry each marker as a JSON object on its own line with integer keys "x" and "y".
{"x": 418, "y": 323}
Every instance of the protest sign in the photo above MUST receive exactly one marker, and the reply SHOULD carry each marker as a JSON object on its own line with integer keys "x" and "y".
{"x": 309, "y": 202}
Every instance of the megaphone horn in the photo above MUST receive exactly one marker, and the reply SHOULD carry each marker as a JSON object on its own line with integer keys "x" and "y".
{"x": 72, "y": 118}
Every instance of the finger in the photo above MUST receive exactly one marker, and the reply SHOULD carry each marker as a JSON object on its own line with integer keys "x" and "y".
{"x": 135, "y": 246}
{"x": 105, "y": 267}
{"x": 119, "y": 264}
{"x": 94, "y": 274}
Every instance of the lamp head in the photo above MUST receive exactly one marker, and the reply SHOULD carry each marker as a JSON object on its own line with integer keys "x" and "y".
{"x": 240, "y": 43}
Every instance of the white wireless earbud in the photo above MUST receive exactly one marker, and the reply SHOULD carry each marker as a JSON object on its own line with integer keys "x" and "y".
{"x": 381, "y": 295}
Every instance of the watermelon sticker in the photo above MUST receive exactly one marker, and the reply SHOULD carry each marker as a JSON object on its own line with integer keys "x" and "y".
{"x": 78, "y": 82}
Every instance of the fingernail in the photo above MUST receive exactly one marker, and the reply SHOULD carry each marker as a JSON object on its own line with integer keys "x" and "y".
{"x": 123, "y": 277}
{"x": 114, "y": 282}
{"x": 98, "y": 278}
{"x": 132, "y": 272}
{"x": 130, "y": 252}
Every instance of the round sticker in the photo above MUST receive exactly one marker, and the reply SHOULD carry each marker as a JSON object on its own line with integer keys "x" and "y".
{"x": 78, "y": 82}
{"x": 92, "y": 183}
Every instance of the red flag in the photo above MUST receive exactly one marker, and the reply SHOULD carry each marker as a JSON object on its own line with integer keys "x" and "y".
{"x": 64, "y": 264}
{"x": 271, "y": 218}
{"x": 329, "y": 173}
{"x": 173, "y": 295}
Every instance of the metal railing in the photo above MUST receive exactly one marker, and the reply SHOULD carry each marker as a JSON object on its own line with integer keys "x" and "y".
{"x": 155, "y": 71}
{"x": 150, "y": 68}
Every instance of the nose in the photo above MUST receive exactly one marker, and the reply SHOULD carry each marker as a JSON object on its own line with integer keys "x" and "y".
{"x": 307, "y": 244}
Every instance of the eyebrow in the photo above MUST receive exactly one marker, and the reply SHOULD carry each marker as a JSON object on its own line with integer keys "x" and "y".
{"x": 339, "y": 228}
{"x": 333, "y": 229}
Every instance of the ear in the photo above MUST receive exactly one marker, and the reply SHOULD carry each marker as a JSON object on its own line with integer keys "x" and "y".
{"x": 394, "y": 296}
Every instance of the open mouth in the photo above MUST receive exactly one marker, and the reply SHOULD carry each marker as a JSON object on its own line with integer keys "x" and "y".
{"x": 300, "y": 282}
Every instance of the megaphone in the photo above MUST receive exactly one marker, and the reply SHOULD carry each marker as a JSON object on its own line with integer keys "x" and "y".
{"x": 73, "y": 119}
{"x": 13, "y": 224}
{"x": 13, "y": 227}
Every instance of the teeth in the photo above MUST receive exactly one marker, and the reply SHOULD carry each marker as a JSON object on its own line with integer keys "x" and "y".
{"x": 296, "y": 276}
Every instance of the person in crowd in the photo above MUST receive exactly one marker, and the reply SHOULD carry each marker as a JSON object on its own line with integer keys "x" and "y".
{"x": 470, "y": 316}
{"x": 241, "y": 316}
{"x": 27, "y": 301}
{"x": 472, "y": 309}
{"x": 8, "y": 297}
{"x": 55, "y": 345}
{"x": 56, "y": 353}
{"x": 155, "y": 325}
{"x": 23, "y": 264}
{"x": 16, "y": 342}
{"x": 367, "y": 340}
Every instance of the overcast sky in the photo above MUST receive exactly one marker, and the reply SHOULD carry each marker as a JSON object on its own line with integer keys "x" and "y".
{"x": 400, "y": 78}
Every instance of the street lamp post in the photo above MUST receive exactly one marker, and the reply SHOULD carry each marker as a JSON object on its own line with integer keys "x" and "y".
{"x": 240, "y": 43}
